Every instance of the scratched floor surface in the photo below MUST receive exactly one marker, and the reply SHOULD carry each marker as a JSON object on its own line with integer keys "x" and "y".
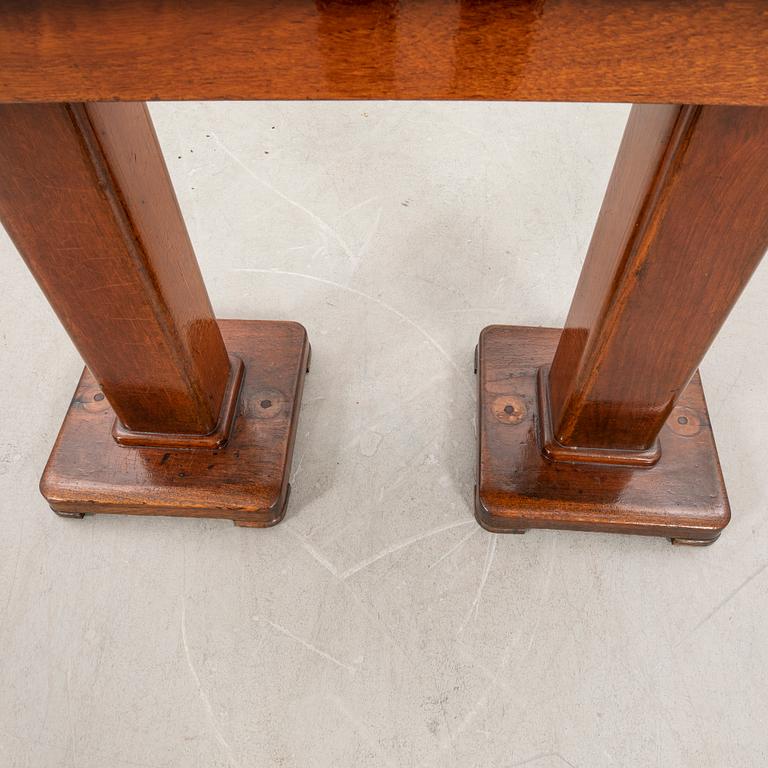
{"x": 378, "y": 625}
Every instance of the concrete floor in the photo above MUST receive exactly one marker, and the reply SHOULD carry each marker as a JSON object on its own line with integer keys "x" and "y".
{"x": 378, "y": 625}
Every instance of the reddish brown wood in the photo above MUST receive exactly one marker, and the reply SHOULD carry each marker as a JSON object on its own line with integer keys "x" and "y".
{"x": 681, "y": 497}
{"x": 557, "y": 451}
{"x": 247, "y": 481}
{"x": 215, "y": 439}
{"x": 165, "y": 421}
{"x": 86, "y": 197}
{"x": 659, "y": 51}
{"x": 682, "y": 228}
{"x": 615, "y": 436}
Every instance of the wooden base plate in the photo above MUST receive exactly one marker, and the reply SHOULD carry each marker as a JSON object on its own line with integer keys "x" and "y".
{"x": 681, "y": 497}
{"x": 245, "y": 481}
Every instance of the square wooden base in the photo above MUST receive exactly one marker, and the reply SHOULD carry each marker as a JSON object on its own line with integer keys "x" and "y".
{"x": 681, "y": 497}
{"x": 245, "y": 481}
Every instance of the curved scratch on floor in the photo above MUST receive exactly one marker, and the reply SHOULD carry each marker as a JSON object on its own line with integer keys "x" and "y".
{"x": 502, "y": 666}
{"x": 727, "y": 599}
{"x": 296, "y": 469}
{"x": 454, "y": 548}
{"x": 489, "y": 555}
{"x": 324, "y": 226}
{"x": 359, "y": 205}
{"x": 369, "y": 297}
{"x": 541, "y": 601}
{"x": 402, "y": 545}
{"x": 360, "y": 725}
{"x": 307, "y": 645}
{"x": 367, "y": 242}
{"x": 372, "y": 616}
{"x": 12, "y": 587}
{"x": 223, "y": 743}
{"x": 491, "y": 676}
{"x": 314, "y": 553}
{"x": 541, "y": 756}
{"x": 71, "y": 713}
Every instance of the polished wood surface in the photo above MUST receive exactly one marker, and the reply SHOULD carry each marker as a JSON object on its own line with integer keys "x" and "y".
{"x": 683, "y": 226}
{"x": 166, "y": 420}
{"x": 604, "y": 427}
{"x": 656, "y": 51}
{"x": 246, "y": 481}
{"x": 681, "y": 497}
{"x": 217, "y": 438}
{"x": 612, "y": 434}
{"x": 86, "y": 198}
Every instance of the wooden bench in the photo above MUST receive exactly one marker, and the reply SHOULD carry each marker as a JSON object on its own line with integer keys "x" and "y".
{"x": 602, "y": 426}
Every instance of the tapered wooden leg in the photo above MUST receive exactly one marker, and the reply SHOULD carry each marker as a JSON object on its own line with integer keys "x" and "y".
{"x": 604, "y": 426}
{"x": 175, "y": 412}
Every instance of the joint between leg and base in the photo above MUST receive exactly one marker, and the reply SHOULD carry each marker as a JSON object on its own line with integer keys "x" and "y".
{"x": 681, "y": 497}
{"x": 556, "y": 451}
{"x": 214, "y": 439}
{"x": 246, "y": 480}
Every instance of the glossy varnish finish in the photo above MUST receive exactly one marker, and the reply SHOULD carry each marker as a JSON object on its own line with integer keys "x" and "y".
{"x": 683, "y": 226}
{"x": 611, "y": 433}
{"x": 681, "y": 497}
{"x": 656, "y": 51}
{"x": 245, "y": 481}
{"x": 86, "y": 197}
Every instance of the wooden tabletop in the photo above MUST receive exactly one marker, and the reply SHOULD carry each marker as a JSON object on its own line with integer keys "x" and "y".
{"x": 707, "y": 52}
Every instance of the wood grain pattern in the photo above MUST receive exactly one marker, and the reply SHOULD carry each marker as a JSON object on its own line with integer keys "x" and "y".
{"x": 681, "y": 497}
{"x": 245, "y": 481}
{"x": 683, "y": 226}
{"x": 86, "y": 198}
{"x": 659, "y": 51}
